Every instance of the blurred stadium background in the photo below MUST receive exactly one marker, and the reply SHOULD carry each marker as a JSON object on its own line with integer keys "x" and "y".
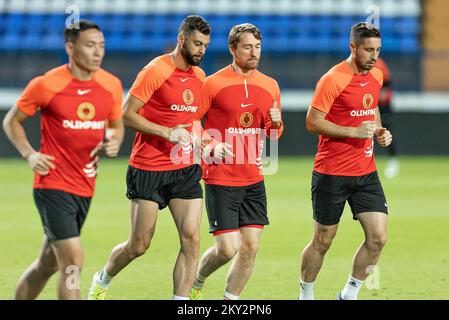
{"x": 302, "y": 39}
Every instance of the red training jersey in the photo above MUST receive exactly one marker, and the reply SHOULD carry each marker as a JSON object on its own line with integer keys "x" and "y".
{"x": 74, "y": 115}
{"x": 236, "y": 110}
{"x": 348, "y": 99}
{"x": 172, "y": 97}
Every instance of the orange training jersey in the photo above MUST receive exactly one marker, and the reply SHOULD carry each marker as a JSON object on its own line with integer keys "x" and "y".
{"x": 74, "y": 116}
{"x": 237, "y": 107}
{"x": 348, "y": 99}
{"x": 171, "y": 97}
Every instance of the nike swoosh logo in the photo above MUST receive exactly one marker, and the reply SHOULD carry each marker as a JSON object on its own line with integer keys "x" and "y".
{"x": 245, "y": 105}
{"x": 364, "y": 84}
{"x": 184, "y": 79}
{"x": 83, "y": 92}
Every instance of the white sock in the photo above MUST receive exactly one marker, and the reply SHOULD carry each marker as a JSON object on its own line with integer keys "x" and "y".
{"x": 306, "y": 290}
{"x": 175, "y": 297}
{"x": 199, "y": 281}
{"x": 103, "y": 279}
{"x": 352, "y": 288}
{"x": 229, "y": 296}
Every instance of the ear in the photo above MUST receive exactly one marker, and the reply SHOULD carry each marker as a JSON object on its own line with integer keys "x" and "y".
{"x": 181, "y": 39}
{"x": 232, "y": 51}
{"x": 69, "y": 48}
{"x": 352, "y": 47}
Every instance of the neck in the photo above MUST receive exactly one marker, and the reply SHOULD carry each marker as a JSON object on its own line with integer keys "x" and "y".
{"x": 79, "y": 73}
{"x": 242, "y": 71}
{"x": 354, "y": 67}
{"x": 179, "y": 60}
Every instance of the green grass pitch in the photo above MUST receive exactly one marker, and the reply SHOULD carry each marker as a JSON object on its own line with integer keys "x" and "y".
{"x": 414, "y": 263}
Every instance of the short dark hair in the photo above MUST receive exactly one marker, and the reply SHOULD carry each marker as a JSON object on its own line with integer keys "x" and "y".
{"x": 192, "y": 23}
{"x": 363, "y": 30}
{"x": 72, "y": 32}
{"x": 236, "y": 32}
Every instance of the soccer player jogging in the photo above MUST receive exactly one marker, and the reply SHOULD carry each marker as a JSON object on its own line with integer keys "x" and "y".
{"x": 160, "y": 107}
{"x": 240, "y": 104}
{"x": 81, "y": 118}
{"x": 344, "y": 114}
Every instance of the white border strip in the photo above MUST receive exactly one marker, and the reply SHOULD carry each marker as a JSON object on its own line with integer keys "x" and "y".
{"x": 387, "y": 8}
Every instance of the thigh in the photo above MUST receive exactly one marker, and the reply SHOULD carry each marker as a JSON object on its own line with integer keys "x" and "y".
{"x": 369, "y": 196}
{"x": 250, "y": 238}
{"x": 228, "y": 242}
{"x": 47, "y": 256}
{"x": 374, "y": 224}
{"x": 187, "y": 215}
{"x": 324, "y": 233}
{"x": 329, "y": 195}
{"x": 60, "y": 213}
{"x": 143, "y": 220}
{"x": 223, "y": 205}
{"x": 253, "y": 210}
{"x": 68, "y": 252}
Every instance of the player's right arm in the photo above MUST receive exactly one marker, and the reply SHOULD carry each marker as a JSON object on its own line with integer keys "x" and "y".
{"x": 316, "y": 123}
{"x": 134, "y": 120}
{"x": 13, "y": 127}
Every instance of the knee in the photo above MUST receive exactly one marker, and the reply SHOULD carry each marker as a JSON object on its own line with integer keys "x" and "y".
{"x": 137, "y": 248}
{"x": 47, "y": 268}
{"x": 227, "y": 252}
{"x": 249, "y": 249}
{"x": 190, "y": 242}
{"x": 70, "y": 265}
{"x": 376, "y": 243}
{"x": 322, "y": 243}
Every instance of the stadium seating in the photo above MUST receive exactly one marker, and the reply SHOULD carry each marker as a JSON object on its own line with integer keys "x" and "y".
{"x": 302, "y": 37}
{"x": 132, "y": 25}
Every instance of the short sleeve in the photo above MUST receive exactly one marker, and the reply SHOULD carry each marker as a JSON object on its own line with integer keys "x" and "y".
{"x": 147, "y": 82}
{"x": 326, "y": 92}
{"x": 31, "y": 99}
{"x": 117, "y": 96}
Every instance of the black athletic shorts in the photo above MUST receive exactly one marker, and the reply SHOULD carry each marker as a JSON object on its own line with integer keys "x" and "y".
{"x": 62, "y": 213}
{"x": 230, "y": 208}
{"x": 162, "y": 186}
{"x": 330, "y": 193}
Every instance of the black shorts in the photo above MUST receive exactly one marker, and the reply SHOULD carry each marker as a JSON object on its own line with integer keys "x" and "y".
{"x": 230, "y": 208}
{"x": 62, "y": 213}
{"x": 162, "y": 186}
{"x": 330, "y": 193}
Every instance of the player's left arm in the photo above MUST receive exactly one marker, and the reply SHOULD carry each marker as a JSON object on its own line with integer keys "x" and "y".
{"x": 273, "y": 123}
{"x": 115, "y": 129}
{"x": 384, "y": 137}
{"x": 115, "y": 132}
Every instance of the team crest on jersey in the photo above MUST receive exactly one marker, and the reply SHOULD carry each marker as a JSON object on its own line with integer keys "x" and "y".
{"x": 188, "y": 97}
{"x": 368, "y": 100}
{"x": 86, "y": 111}
{"x": 246, "y": 119}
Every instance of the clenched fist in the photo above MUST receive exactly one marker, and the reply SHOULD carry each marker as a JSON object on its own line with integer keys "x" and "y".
{"x": 384, "y": 137}
{"x": 275, "y": 115}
